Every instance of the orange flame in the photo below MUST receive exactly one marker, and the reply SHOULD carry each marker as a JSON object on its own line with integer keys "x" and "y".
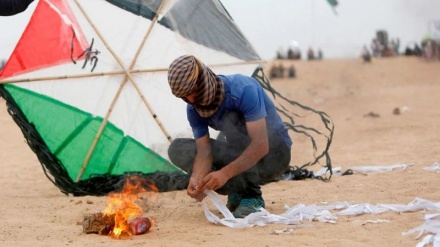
{"x": 123, "y": 204}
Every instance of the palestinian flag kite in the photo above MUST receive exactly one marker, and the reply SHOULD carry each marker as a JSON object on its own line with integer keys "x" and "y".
{"x": 87, "y": 84}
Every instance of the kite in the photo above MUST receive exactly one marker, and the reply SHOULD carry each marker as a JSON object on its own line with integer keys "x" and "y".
{"x": 87, "y": 85}
{"x": 333, "y": 4}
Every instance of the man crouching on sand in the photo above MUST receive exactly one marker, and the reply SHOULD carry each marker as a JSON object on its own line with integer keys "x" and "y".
{"x": 255, "y": 147}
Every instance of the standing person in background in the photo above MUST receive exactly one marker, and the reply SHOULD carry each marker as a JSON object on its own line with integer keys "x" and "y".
{"x": 292, "y": 71}
{"x": 320, "y": 54}
{"x": 13, "y": 7}
{"x": 255, "y": 148}
{"x": 376, "y": 48}
{"x": 397, "y": 46}
{"x": 310, "y": 54}
{"x": 366, "y": 55}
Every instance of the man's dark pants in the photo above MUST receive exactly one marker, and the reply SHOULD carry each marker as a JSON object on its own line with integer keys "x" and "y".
{"x": 232, "y": 141}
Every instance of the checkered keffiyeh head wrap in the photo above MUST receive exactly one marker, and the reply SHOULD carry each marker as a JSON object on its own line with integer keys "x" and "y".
{"x": 187, "y": 75}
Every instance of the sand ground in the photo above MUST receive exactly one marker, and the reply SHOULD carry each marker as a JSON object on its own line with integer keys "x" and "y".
{"x": 35, "y": 213}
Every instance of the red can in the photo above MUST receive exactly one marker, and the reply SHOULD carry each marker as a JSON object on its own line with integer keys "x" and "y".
{"x": 140, "y": 225}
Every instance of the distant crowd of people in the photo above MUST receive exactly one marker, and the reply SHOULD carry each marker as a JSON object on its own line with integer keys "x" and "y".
{"x": 294, "y": 53}
{"x": 312, "y": 56}
{"x": 428, "y": 49}
{"x": 279, "y": 71}
{"x": 385, "y": 49}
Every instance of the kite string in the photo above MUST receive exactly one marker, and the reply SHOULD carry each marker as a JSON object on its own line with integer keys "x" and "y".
{"x": 265, "y": 83}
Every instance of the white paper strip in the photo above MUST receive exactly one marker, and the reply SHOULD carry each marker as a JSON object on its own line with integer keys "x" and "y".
{"x": 379, "y": 168}
{"x": 297, "y": 214}
{"x": 434, "y": 167}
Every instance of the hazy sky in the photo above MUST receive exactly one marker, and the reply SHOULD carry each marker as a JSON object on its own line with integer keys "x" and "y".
{"x": 271, "y": 24}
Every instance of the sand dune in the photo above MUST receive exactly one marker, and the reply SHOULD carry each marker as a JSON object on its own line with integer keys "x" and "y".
{"x": 360, "y": 99}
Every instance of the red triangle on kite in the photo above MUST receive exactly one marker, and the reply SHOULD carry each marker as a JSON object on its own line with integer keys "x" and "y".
{"x": 52, "y": 36}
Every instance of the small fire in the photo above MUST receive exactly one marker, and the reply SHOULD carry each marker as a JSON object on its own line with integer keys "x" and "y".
{"x": 123, "y": 205}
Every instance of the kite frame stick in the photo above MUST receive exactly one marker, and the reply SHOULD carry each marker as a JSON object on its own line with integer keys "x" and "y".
{"x": 127, "y": 76}
{"x": 120, "y": 72}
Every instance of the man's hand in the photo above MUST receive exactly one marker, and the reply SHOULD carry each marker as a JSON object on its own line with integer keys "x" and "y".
{"x": 213, "y": 181}
{"x": 256, "y": 150}
{"x": 193, "y": 191}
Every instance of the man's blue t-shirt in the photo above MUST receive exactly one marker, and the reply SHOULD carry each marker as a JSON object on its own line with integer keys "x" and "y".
{"x": 245, "y": 95}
